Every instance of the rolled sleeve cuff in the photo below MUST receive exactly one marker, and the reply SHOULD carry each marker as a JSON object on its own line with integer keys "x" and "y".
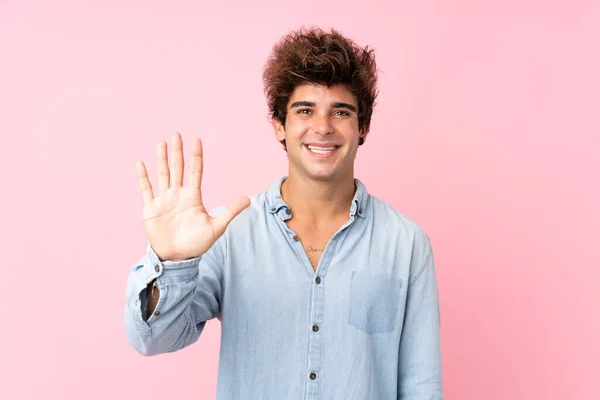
{"x": 168, "y": 271}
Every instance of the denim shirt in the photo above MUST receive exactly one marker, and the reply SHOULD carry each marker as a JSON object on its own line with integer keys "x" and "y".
{"x": 365, "y": 325}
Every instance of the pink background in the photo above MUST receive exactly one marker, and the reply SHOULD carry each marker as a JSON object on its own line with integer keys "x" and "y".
{"x": 486, "y": 132}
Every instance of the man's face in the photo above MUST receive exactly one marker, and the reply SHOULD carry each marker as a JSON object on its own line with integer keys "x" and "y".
{"x": 321, "y": 131}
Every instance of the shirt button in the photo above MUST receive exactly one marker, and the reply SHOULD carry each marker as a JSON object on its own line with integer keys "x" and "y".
{"x": 360, "y": 211}
{"x": 156, "y": 313}
{"x": 157, "y": 267}
{"x": 295, "y": 238}
{"x": 315, "y": 328}
{"x": 288, "y": 211}
{"x": 318, "y": 279}
{"x": 313, "y": 375}
{"x": 273, "y": 209}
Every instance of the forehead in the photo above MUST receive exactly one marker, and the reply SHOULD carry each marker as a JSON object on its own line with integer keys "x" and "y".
{"x": 318, "y": 94}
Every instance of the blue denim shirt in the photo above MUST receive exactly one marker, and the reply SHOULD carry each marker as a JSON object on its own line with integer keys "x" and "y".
{"x": 365, "y": 325}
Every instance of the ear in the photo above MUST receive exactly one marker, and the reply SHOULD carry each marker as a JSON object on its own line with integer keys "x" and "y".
{"x": 364, "y": 132}
{"x": 279, "y": 130}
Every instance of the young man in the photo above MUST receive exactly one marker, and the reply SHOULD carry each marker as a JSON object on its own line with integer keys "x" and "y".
{"x": 323, "y": 291}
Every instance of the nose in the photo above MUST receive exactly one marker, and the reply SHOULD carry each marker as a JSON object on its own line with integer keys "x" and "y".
{"x": 322, "y": 124}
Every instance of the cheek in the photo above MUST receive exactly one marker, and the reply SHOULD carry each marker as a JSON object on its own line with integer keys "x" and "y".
{"x": 294, "y": 131}
{"x": 348, "y": 126}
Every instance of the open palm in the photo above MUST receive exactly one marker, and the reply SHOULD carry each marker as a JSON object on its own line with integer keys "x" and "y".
{"x": 177, "y": 225}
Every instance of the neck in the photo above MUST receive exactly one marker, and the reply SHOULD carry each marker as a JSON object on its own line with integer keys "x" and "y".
{"x": 317, "y": 201}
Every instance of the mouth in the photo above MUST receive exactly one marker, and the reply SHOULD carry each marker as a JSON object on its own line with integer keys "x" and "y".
{"x": 322, "y": 151}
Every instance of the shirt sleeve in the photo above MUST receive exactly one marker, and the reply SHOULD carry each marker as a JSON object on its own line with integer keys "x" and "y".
{"x": 190, "y": 295}
{"x": 420, "y": 366}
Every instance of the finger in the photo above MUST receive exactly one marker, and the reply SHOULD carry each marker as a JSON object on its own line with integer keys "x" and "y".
{"x": 229, "y": 213}
{"x": 145, "y": 186}
{"x": 196, "y": 164}
{"x": 162, "y": 166}
{"x": 176, "y": 160}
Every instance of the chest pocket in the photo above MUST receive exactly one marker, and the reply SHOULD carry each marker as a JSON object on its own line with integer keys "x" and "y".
{"x": 374, "y": 301}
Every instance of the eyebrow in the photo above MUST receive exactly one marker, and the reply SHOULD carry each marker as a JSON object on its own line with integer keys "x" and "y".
{"x": 336, "y": 104}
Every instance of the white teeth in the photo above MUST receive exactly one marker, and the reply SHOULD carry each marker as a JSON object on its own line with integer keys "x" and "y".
{"x": 321, "y": 150}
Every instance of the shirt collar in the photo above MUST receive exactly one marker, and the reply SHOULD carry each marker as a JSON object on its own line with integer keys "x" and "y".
{"x": 276, "y": 205}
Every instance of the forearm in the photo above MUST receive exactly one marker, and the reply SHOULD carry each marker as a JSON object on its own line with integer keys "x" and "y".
{"x": 152, "y": 296}
{"x": 162, "y": 321}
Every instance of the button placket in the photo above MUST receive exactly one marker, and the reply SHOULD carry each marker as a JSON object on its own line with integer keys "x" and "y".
{"x": 315, "y": 351}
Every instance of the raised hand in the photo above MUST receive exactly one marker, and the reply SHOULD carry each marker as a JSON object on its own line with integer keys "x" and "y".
{"x": 177, "y": 225}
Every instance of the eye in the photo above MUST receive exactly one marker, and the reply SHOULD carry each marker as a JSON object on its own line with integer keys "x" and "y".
{"x": 304, "y": 111}
{"x": 342, "y": 113}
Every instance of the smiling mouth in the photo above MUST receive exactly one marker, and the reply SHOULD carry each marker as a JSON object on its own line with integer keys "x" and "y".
{"x": 321, "y": 149}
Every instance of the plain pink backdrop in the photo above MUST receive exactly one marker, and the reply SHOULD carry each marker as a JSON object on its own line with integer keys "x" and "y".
{"x": 486, "y": 132}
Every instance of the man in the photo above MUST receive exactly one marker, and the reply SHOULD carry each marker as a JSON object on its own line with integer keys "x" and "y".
{"x": 323, "y": 291}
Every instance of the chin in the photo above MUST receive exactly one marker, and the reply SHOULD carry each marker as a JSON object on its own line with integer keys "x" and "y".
{"x": 321, "y": 175}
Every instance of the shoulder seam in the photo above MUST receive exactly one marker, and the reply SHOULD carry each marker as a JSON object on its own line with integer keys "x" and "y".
{"x": 423, "y": 267}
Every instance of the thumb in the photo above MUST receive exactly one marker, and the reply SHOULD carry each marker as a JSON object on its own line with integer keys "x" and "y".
{"x": 230, "y": 211}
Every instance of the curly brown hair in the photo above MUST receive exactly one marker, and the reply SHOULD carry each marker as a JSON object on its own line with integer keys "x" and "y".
{"x": 327, "y": 58}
